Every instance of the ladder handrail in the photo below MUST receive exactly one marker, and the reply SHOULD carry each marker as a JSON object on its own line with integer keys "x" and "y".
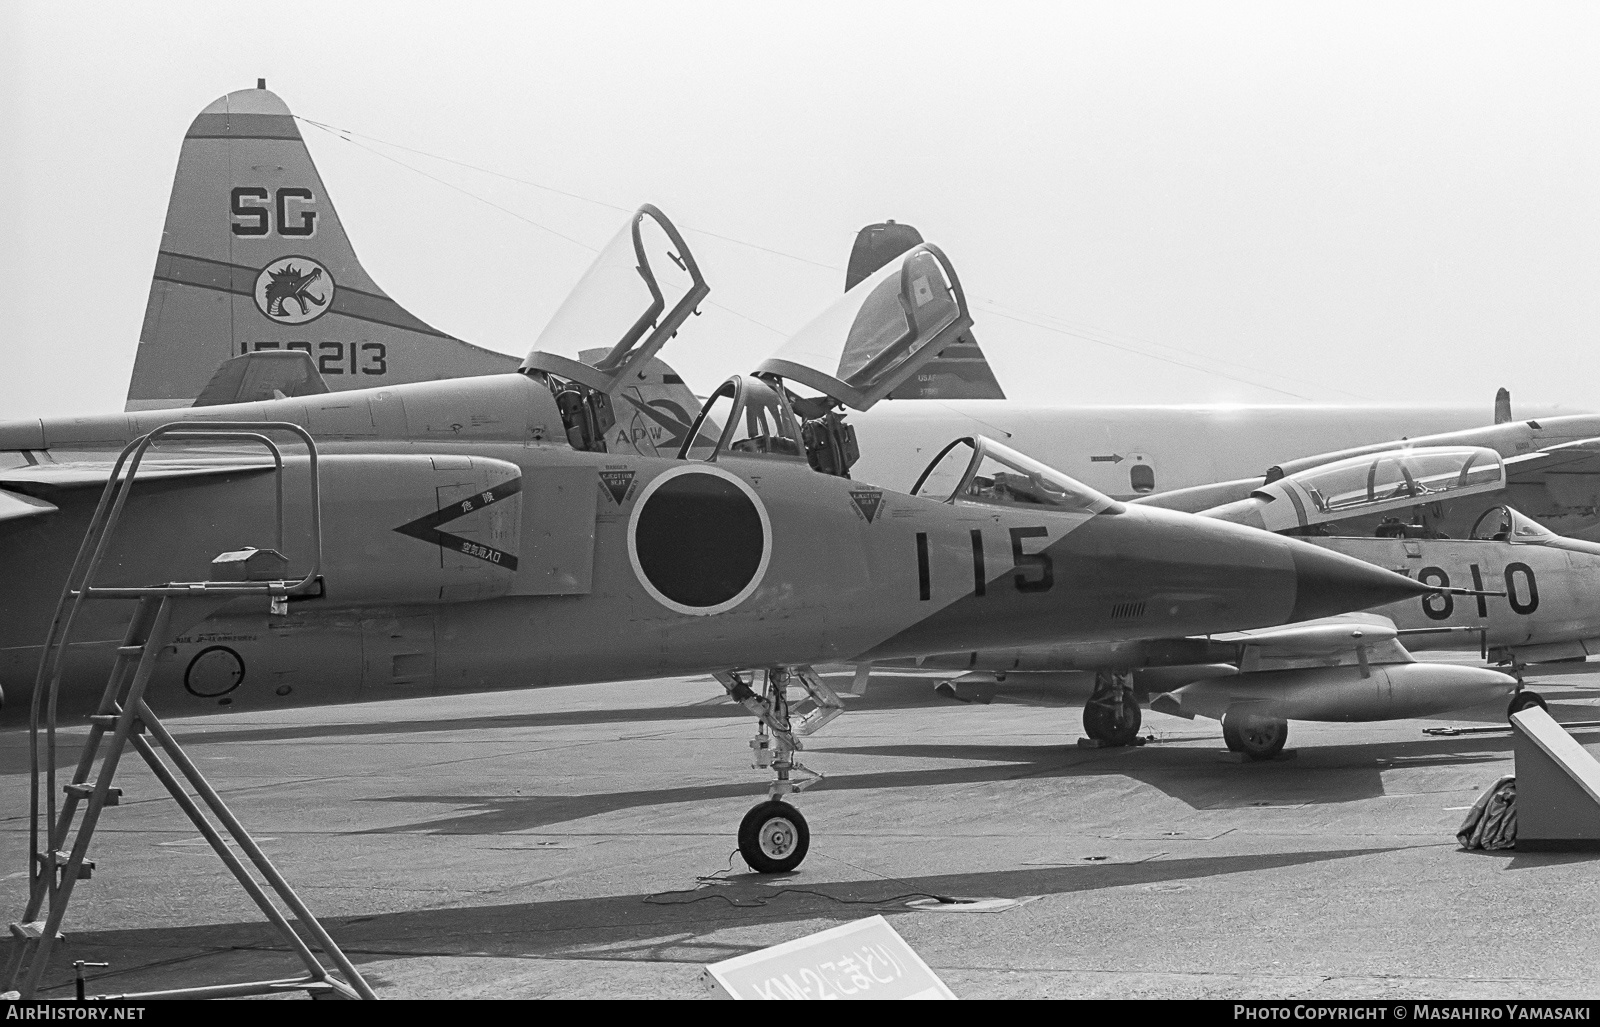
{"x": 101, "y": 526}
{"x": 149, "y": 630}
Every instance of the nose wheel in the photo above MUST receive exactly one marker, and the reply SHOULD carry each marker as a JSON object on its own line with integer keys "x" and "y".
{"x": 774, "y": 837}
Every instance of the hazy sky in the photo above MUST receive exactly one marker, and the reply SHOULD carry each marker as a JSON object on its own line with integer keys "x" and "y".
{"x": 1190, "y": 202}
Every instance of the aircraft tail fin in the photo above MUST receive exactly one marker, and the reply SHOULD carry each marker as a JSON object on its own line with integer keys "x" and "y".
{"x": 961, "y": 371}
{"x": 1502, "y": 406}
{"x": 254, "y": 258}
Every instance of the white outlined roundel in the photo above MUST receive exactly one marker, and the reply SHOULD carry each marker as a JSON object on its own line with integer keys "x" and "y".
{"x": 294, "y": 290}
{"x": 699, "y": 540}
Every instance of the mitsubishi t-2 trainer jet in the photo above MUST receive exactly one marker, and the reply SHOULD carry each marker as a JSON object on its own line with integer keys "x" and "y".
{"x": 458, "y": 536}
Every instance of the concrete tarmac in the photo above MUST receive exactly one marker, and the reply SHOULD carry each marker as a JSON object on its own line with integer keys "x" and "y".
{"x": 577, "y": 843}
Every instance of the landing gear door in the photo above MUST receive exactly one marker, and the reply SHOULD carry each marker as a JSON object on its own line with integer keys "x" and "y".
{"x": 880, "y": 333}
{"x": 558, "y": 524}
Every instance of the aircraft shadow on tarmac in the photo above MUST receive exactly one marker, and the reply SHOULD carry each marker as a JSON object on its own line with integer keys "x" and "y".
{"x": 14, "y": 756}
{"x": 665, "y": 926}
{"x": 1321, "y": 774}
{"x": 888, "y": 692}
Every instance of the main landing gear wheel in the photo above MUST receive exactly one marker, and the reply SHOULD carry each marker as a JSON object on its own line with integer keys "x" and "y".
{"x": 1258, "y": 737}
{"x": 1524, "y": 699}
{"x": 1111, "y": 716}
{"x": 774, "y": 837}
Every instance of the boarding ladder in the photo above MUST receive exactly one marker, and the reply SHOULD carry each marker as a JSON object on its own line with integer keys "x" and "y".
{"x": 124, "y": 718}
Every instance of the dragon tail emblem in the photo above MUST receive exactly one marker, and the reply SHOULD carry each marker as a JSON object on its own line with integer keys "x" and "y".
{"x": 290, "y": 283}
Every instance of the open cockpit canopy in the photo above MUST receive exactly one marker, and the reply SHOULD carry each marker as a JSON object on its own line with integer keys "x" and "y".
{"x": 634, "y": 297}
{"x": 879, "y": 333}
{"x": 976, "y": 469}
{"x": 744, "y": 417}
{"x": 1504, "y": 524}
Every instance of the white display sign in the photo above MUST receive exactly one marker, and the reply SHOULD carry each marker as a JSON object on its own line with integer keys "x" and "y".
{"x": 862, "y": 960}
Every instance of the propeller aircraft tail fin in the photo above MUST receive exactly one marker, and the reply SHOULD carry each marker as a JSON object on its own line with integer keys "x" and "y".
{"x": 1502, "y": 406}
{"x": 961, "y": 371}
{"x": 254, "y": 258}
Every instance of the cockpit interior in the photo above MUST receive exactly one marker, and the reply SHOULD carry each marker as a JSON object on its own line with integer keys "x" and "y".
{"x": 976, "y": 469}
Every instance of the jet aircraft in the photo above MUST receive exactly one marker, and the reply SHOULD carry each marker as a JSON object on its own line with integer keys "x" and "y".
{"x": 474, "y": 534}
{"x": 1533, "y": 600}
{"x": 309, "y": 273}
{"x": 252, "y": 129}
{"x": 360, "y": 336}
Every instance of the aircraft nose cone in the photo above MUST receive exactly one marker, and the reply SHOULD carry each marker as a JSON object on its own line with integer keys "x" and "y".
{"x": 1328, "y": 583}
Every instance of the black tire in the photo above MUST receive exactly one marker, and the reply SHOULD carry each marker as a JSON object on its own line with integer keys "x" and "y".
{"x": 1112, "y": 723}
{"x": 774, "y": 837}
{"x": 1258, "y": 737}
{"x": 1524, "y": 699}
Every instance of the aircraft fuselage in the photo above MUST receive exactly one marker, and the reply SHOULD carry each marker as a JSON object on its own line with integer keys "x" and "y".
{"x": 1552, "y": 591}
{"x": 457, "y": 559}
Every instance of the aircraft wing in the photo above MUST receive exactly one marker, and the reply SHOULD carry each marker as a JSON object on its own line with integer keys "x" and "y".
{"x": 95, "y": 473}
{"x": 15, "y": 506}
{"x": 1580, "y": 457}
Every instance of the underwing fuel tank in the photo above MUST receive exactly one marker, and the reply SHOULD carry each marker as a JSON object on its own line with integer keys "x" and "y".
{"x": 1384, "y": 692}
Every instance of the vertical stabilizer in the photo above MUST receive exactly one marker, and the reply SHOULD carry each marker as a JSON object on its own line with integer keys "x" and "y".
{"x": 253, "y": 257}
{"x": 961, "y": 371}
{"x": 1502, "y": 406}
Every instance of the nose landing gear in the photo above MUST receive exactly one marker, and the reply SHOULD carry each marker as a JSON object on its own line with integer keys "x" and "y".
{"x": 774, "y": 836}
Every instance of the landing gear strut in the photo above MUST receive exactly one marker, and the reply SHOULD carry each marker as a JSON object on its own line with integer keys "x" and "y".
{"x": 774, "y": 837}
{"x": 1256, "y": 736}
{"x": 1111, "y": 716}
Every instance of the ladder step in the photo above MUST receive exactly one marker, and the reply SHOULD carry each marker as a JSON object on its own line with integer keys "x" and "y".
{"x": 129, "y": 650}
{"x": 108, "y": 721}
{"x": 83, "y": 791}
{"x": 32, "y": 931}
{"x": 85, "y": 869}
